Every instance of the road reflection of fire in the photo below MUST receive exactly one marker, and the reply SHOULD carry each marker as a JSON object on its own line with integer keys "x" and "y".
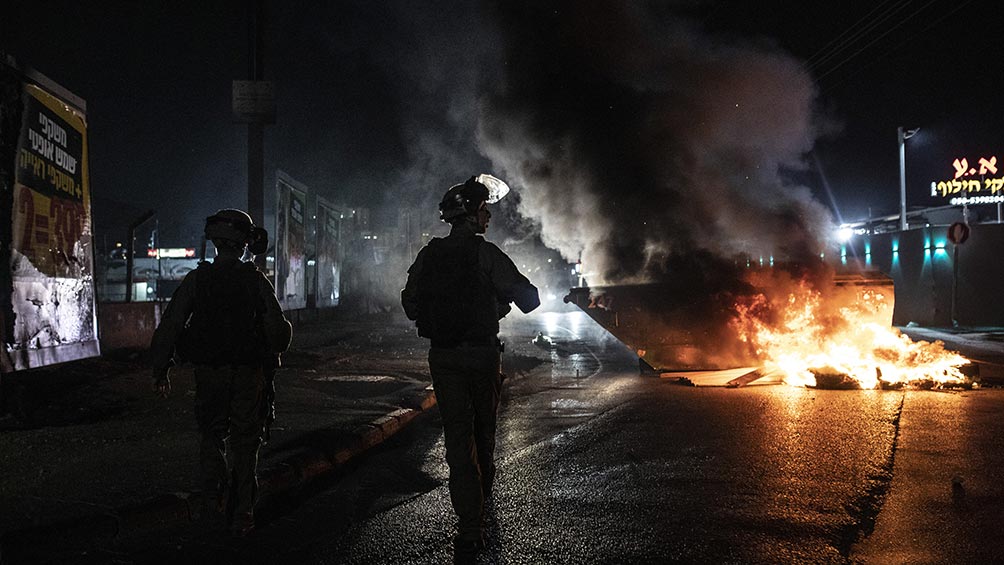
{"x": 838, "y": 337}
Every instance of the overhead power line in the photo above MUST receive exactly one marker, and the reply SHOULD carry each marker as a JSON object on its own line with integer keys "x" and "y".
{"x": 933, "y": 23}
{"x": 860, "y": 29}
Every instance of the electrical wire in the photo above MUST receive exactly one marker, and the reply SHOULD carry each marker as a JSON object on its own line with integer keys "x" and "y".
{"x": 874, "y": 41}
{"x": 896, "y": 47}
{"x": 842, "y": 43}
{"x": 839, "y": 38}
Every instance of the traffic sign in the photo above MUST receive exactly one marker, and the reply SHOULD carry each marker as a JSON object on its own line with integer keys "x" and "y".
{"x": 958, "y": 233}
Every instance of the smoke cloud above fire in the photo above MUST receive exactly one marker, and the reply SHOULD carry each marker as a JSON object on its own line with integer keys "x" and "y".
{"x": 636, "y": 139}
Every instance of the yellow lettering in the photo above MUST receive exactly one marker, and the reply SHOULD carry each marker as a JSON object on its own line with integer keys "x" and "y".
{"x": 62, "y": 181}
{"x": 33, "y": 162}
{"x": 986, "y": 165}
{"x": 960, "y": 167}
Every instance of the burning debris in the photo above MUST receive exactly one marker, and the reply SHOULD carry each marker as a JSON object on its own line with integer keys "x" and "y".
{"x": 655, "y": 153}
{"x": 803, "y": 326}
{"x": 838, "y": 337}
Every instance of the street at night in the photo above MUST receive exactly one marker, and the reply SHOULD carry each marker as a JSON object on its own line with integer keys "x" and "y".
{"x": 501, "y": 281}
{"x": 600, "y": 464}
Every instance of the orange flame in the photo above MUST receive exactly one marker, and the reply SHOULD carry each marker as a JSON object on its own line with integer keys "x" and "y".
{"x": 806, "y": 335}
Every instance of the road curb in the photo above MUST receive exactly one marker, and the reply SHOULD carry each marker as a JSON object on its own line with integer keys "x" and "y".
{"x": 310, "y": 465}
{"x": 288, "y": 476}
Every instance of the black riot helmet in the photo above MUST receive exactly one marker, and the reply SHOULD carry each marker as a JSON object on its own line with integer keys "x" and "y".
{"x": 235, "y": 227}
{"x": 465, "y": 199}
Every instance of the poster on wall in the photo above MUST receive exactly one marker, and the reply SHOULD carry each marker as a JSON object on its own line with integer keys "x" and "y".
{"x": 51, "y": 255}
{"x": 329, "y": 255}
{"x": 290, "y": 243}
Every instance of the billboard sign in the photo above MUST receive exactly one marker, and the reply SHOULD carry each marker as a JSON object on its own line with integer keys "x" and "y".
{"x": 976, "y": 182}
{"x": 290, "y": 243}
{"x": 329, "y": 254}
{"x": 51, "y": 254}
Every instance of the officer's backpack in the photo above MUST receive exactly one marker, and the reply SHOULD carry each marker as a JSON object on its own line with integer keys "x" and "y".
{"x": 456, "y": 299}
{"x": 225, "y": 327}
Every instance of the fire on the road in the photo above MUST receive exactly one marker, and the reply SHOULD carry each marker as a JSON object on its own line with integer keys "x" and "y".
{"x": 843, "y": 337}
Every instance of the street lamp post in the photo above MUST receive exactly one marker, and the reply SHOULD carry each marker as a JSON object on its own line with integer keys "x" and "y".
{"x": 901, "y": 137}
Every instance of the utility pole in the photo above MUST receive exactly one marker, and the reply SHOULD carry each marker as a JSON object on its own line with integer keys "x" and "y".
{"x": 256, "y": 128}
{"x": 131, "y": 252}
{"x": 901, "y": 137}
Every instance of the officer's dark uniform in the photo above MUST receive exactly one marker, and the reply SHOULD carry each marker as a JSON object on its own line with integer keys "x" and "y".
{"x": 457, "y": 290}
{"x": 225, "y": 319}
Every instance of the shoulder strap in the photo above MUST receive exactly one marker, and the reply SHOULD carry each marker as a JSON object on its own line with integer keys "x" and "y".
{"x": 203, "y": 282}
{"x": 251, "y": 276}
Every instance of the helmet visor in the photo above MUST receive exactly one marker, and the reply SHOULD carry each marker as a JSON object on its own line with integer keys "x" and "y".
{"x": 497, "y": 188}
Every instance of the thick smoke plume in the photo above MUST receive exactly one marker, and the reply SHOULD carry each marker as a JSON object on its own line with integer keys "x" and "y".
{"x": 644, "y": 146}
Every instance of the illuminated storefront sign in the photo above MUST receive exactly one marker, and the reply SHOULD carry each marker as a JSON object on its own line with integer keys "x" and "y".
{"x": 979, "y": 184}
{"x": 171, "y": 253}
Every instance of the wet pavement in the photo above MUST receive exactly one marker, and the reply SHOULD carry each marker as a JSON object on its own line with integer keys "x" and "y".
{"x": 92, "y": 462}
{"x": 88, "y": 454}
{"x": 610, "y": 467}
{"x": 983, "y": 346}
{"x": 946, "y": 500}
{"x": 631, "y": 470}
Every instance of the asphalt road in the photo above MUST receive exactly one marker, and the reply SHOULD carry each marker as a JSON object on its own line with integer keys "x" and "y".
{"x": 625, "y": 469}
{"x": 598, "y": 464}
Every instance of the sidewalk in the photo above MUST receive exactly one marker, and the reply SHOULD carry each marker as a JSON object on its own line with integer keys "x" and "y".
{"x": 981, "y": 345}
{"x": 91, "y": 454}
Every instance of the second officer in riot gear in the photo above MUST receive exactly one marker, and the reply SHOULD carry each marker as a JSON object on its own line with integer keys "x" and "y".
{"x": 226, "y": 321}
{"x": 458, "y": 288}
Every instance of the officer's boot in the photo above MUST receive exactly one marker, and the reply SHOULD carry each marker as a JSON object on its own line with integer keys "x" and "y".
{"x": 213, "y": 507}
{"x": 466, "y": 549}
{"x": 245, "y": 485}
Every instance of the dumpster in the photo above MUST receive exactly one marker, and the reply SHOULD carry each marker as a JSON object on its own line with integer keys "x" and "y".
{"x": 680, "y": 325}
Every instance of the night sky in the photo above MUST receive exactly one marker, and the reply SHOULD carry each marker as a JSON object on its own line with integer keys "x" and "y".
{"x": 388, "y": 103}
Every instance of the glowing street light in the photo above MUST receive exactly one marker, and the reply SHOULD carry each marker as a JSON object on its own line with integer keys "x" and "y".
{"x": 902, "y": 136}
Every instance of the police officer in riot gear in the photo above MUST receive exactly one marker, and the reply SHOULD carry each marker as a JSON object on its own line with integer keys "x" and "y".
{"x": 458, "y": 288}
{"x": 226, "y": 321}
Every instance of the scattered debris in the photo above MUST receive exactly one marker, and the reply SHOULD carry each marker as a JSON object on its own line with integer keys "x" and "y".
{"x": 542, "y": 341}
{"x": 831, "y": 379}
{"x": 958, "y": 491}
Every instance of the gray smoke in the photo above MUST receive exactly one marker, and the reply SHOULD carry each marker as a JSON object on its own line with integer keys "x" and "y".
{"x": 636, "y": 139}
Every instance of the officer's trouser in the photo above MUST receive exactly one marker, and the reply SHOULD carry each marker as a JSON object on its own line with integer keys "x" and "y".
{"x": 467, "y": 385}
{"x": 229, "y": 405}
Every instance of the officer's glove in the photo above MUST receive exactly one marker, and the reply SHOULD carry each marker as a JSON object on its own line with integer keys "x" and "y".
{"x": 502, "y": 308}
{"x": 161, "y": 382}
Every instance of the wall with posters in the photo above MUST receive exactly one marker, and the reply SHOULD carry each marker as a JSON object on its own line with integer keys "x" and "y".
{"x": 50, "y": 262}
{"x": 290, "y": 242}
{"x": 329, "y": 253}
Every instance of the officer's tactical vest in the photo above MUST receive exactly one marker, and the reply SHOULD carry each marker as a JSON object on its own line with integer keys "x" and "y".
{"x": 225, "y": 327}
{"x": 456, "y": 299}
